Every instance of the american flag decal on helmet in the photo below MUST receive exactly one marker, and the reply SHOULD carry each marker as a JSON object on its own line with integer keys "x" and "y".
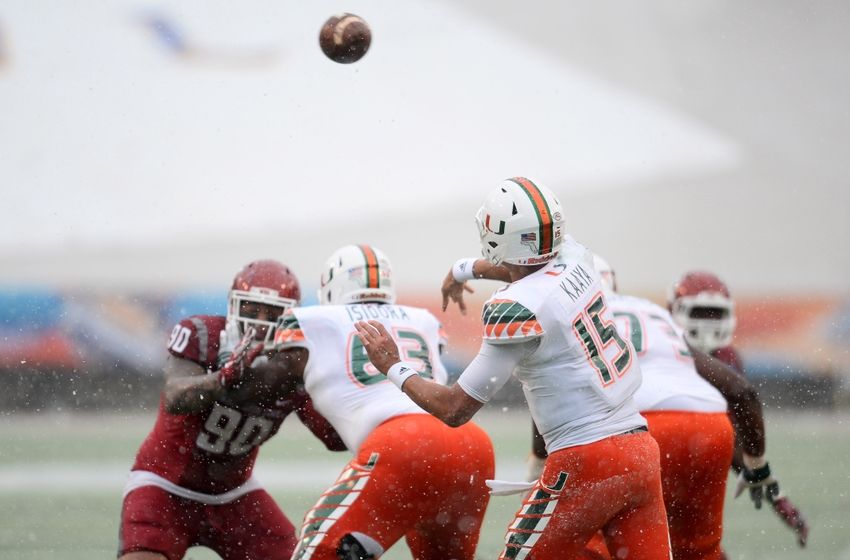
{"x": 544, "y": 214}
{"x": 506, "y": 320}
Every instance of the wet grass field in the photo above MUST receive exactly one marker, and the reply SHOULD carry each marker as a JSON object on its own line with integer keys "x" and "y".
{"x": 61, "y": 478}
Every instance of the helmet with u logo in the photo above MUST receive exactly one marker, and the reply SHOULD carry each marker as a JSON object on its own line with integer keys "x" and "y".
{"x": 520, "y": 223}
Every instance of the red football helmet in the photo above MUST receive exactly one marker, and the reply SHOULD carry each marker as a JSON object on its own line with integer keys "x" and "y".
{"x": 700, "y": 303}
{"x": 261, "y": 292}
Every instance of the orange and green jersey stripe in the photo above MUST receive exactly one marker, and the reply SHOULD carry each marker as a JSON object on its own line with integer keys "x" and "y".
{"x": 372, "y": 269}
{"x": 532, "y": 519}
{"x": 544, "y": 214}
{"x": 505, "y": 319}
{"x": 288, "y": 329}
{"x": 332, "y": 505}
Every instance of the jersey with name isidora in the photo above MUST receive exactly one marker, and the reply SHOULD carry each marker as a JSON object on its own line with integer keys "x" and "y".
{"x": 578, "y": 374}
{"x": 670, "y": 379}
{"x": 345, "y": 387}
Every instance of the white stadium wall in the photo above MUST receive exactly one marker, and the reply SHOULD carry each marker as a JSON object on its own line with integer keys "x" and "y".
{"x": 148, "y": 145}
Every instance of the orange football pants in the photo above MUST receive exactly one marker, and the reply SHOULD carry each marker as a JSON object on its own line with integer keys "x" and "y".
{"x": 696, "y": 450}
{"x": 613, "y": 485}
{"x": 413, "y": 477}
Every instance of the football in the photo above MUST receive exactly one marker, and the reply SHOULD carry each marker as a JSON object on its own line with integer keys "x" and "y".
{"x": 345, "y": 38}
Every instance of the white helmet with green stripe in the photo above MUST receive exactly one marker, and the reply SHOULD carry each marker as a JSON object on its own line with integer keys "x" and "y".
{"x": 520, "y": 223}
{"x": 357, "y": 274}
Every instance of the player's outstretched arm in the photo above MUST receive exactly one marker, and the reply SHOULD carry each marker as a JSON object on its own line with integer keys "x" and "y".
{"x": 454, "y": 284}
{"x": 746, "y": 413}
{"x": 450, "y": 404}
{"x": 189, "y": 388}
{"x": 742, "y": 398}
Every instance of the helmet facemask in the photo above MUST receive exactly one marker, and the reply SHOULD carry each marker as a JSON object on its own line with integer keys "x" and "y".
{"x": 260, "y": 293}
{"x": 701, "y": 304}
{"x": 259, "y": 309}
{"x": 708, "y": 320}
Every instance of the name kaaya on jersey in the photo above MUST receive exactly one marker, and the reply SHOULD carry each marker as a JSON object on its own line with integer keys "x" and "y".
{"x": 580, "y": 376}
{"x": 575, "y": 282}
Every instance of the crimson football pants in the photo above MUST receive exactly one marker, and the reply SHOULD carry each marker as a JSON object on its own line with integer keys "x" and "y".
{"x": 250, "y": 527}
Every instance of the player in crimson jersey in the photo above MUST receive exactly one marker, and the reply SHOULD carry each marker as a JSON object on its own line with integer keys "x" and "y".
{"x": 702, "y": 306}
{"x": 192, "y": 482}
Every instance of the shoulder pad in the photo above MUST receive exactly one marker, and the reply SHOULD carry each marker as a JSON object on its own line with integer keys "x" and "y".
{"x": 288, "y": 332}
{"x": 508, "y": 321}
{"x": 196, "y": 338}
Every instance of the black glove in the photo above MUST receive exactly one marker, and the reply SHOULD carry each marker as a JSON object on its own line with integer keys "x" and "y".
{"x": 761, "y": 484}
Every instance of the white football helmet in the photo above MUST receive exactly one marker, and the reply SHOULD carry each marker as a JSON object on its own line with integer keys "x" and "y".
{"x": 357, "y": 274}
{"x": 606, "y": 273}
{"x": 520, "y": 223}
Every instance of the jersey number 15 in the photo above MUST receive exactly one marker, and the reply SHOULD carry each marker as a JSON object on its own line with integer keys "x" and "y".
{"x": 596, "y": 334}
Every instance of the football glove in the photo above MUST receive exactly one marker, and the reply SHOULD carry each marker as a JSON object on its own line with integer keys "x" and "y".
{"x": 242, "y": 357}
{"x": 793, "y": 518}
{"x": 761, "y": 483}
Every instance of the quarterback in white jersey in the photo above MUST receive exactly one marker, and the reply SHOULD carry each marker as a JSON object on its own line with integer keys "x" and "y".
{"x": 578, "y": 374}
{"x": 403, "y": 456}
{"x": 551, "y": 327}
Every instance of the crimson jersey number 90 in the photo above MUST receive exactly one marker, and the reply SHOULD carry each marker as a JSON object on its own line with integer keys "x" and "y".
{"x": 226, "y": 432}
{"x": 411, "y": 347}
{"x": 180, "y": 337}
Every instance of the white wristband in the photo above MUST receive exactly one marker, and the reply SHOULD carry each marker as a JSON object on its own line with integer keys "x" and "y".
{"x": 462, "y": 270}
{"x": 400, "y": 372}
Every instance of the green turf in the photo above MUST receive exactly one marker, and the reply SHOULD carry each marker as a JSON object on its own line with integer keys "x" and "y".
{"x": 810, "y": 452}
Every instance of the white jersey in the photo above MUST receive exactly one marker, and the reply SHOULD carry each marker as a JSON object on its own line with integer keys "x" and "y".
{"x": 579, "y": 374}
{"x": 670, "y": 379}
{"x": 345, "y": 387}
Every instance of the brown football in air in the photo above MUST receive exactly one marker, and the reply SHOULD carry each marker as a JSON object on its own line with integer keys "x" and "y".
{"x": 345, "y": 38}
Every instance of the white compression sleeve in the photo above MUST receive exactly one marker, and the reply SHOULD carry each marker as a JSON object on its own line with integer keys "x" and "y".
{"x": 492, "y": 368}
